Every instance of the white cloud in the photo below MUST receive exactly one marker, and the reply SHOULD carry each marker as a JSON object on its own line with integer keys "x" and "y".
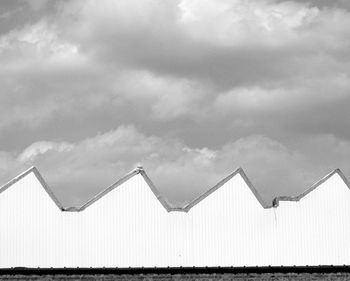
{"x": 235, "y": 23}
{"x": 42, "y": 147}
{"x": 36, "y": 44}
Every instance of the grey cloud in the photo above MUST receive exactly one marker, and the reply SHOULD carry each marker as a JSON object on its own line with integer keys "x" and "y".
{"x": 206, "y": 87}
{"x": 15, "y": 14}
{"x": 251, "y": 52}
{"x": 343, "y": 4}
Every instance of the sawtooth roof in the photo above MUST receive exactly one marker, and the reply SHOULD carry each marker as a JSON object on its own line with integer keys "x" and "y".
{"x": 161, "y": 198}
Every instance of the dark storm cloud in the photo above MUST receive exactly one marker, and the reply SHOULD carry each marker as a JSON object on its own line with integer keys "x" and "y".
{"x": 190, "y": 89}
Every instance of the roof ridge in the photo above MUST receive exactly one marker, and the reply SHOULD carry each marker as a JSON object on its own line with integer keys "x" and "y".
{"x": 43, "y": 183}
{"x": 140, "y": 170}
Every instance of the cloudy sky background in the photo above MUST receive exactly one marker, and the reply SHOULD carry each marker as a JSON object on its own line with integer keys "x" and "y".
{"x": 190, "y": 89}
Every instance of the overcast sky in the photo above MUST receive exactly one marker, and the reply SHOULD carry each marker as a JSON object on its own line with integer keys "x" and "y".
{"x": 190, "y": 89}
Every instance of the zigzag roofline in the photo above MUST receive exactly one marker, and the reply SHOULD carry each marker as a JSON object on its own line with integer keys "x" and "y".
{"x": 162, "y": 199}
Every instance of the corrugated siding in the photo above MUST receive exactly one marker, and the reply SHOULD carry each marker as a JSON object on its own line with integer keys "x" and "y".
{"x": 129, "y": 227}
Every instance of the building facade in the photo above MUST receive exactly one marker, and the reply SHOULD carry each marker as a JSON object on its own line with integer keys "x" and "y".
{"x": 130, "y": 225}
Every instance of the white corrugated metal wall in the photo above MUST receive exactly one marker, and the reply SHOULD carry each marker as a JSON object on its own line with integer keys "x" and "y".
{"x": 129, "y": 227}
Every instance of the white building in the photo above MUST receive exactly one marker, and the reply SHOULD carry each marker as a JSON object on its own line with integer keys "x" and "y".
{"x": 131, "y": 225}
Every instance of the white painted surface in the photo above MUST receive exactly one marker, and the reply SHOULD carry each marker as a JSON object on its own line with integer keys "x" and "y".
{"x": 129, "y": 227}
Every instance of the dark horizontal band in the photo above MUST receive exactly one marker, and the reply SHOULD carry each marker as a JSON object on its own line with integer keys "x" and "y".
{"x": 176, "y": 270}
